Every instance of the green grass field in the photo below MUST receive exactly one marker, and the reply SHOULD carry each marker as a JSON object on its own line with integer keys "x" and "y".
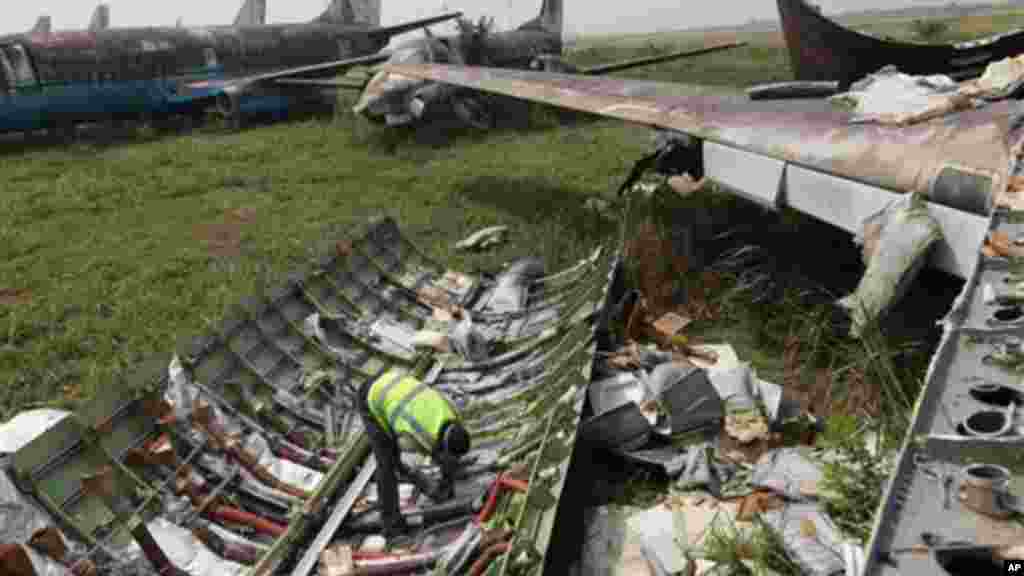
{"x": 109, "y": 254}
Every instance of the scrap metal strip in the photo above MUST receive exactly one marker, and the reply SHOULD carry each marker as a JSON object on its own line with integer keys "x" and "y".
{"x": 338, "y": 515}
{"x": 539, "y": 537}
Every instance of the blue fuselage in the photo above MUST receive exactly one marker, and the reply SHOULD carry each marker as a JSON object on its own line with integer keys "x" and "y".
{"x": 60, "y": 79}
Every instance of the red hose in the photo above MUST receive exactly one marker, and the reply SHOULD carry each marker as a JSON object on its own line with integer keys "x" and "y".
{"x": 228, "y": 514}
{"x": 503, "y": 481}
{"x": 484, "y": 561}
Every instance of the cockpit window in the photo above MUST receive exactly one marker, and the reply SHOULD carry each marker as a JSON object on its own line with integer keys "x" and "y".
{"x": 17, "y": 66}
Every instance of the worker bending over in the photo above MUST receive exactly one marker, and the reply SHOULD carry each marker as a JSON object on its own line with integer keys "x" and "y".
{"x": 401, "y": 412}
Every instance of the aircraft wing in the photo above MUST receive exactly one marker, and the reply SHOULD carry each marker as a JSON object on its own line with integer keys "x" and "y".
{"x": 637, "y": 62}
{"x": 404, "y": 27}
{"x": 327, "y": 83}
{"x": 289, "y": 76}
{"x": 800, "y": 153}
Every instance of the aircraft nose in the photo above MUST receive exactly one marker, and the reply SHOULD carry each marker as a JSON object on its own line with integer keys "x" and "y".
{"x": 385, "y": 95}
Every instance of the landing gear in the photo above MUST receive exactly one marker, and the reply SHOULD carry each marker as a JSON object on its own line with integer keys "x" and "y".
{"x": 228, "y": 108}
{"x": 62, "y": 132}
{"x": 195, "y": 119}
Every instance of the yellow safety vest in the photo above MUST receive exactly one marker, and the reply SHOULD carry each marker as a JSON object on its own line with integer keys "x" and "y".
{"x": 405, "y": 406}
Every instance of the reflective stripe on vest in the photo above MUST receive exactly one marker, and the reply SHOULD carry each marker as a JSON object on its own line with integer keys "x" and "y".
{"x": 402, "y": 404}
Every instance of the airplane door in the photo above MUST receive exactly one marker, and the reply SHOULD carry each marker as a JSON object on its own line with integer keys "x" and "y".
{"x": 160, "y": 67}
{"x": 22, "y": 101}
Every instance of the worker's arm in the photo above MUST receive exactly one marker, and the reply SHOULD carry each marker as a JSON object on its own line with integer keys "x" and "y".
{"x": 446, "y": 488}
{"x": 409, "y": 444}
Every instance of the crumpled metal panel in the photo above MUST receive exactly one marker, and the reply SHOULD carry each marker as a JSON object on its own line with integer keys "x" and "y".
{"x": 262, "y": 371}
{"x": 19, "y": 430}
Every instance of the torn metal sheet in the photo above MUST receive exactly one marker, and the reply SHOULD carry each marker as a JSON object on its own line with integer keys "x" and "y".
{"x": 19, "y": 430}
{"x": 810, "y": 538}
{"x": 657, "y": 528}
{"x": 786, "y": 471}
{"x": 687, "y": 396}
{"x": 610, "y": 548}
{"x": 892, "y": 97}
{"x": 483, "y": 238}
{"x": 240, "y": 414}
{"x": 907, "y": 234}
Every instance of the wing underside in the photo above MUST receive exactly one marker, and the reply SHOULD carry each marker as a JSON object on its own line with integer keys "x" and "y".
{"x": 799, "y": 153}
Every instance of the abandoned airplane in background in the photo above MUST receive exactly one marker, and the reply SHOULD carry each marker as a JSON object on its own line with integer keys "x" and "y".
{"x": 821, "y": 50}
{"x": 537, "y": 43}
{"x": 58, "y": 80}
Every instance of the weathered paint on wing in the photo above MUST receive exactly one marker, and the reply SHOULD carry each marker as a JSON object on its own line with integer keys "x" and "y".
{"x": 815, "y": 134}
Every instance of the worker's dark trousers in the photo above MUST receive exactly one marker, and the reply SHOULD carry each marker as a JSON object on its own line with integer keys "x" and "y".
{"x": 386, "y": 451}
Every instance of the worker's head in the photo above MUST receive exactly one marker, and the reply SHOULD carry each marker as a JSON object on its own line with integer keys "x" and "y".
{"x": 454, "y": 440}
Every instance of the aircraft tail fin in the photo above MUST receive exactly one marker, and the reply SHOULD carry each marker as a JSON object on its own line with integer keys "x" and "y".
{"x": 252, "y": 13}
{"x": 366, "y": 11}
{"x": 42, "y": 25}
{"x": 100, "y": 18}
{"x": 338, "y": 12}
{"x": 549, "y": 19}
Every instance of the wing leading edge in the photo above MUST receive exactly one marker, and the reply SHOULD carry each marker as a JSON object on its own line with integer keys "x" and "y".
{"x": 288, "y": 76}
{"x": 806, "y": 153}
{"x": 649, "y": 60}
{"x": 291, "y": 76}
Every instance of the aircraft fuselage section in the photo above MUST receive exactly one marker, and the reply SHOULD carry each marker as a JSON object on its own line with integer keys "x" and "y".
{"x": 81, "y": 76}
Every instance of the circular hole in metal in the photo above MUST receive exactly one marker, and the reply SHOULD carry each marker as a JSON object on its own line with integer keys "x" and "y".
{"x": 989, "y": 472}
{"x": 985, "y": 423}
{"x": 967, "y": 561}
{"x": 1008, "y": 314}
{"x": 993, "y": 394}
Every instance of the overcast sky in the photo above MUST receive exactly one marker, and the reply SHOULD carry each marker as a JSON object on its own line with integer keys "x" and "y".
{"x": 581, "y": 16}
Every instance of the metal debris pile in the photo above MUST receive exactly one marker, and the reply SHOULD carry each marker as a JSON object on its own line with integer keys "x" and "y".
{"x": 738, "y": 451}
{"x": 242, "y": 453}
{"x": 892, "y": 97}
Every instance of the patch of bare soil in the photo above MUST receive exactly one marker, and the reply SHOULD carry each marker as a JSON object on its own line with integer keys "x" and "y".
{"x": 223, "y": 239}
{"x": 14, "y": 296}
